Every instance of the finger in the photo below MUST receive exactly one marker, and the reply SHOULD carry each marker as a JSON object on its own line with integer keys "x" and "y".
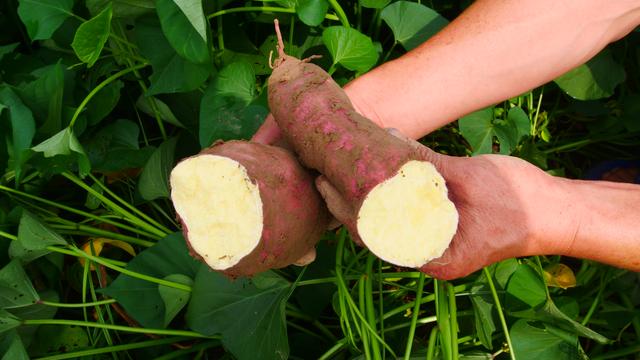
{"x": 307, "y": 258}
{"x": 424, "y": 151}
{"x": 339, "y": 208}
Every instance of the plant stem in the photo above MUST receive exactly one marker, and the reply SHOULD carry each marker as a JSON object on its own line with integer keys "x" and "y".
{"x": 363, "y": 309}
{"x": 77, "y": 305}
{"x": 115, "y": 207}
{"x": 414, "y": 317}
{"x": 84, "y": 230}
{"x": 369, "y": 307}
{"x": 74, "y": 211}
{"x": 337, "y": 347}
{"x": 619, "y": 354}
{"x": 433, "y": 337}
{"x": 340, "y": 12}
{"x": 168, "y": 332}
{"x": 128, "y": 205}
{"x": 133, "y": 273}
{"x": 115, "y": 348}
{"x": 198, "y": 347}
{"x": 503, "y": 322}
{"x": 99, "y": 87}
{"x": 453, "y": 315}
{"x": 273, "y": 9}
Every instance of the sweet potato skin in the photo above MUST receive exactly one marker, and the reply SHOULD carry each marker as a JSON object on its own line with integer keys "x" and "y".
{"x": 294, "y": 215}
{"x": 320, "y": 122}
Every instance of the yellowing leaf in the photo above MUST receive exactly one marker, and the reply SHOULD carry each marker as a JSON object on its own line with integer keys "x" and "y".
{"x": 560, "y": 275}
{"x": 94, "y": 247}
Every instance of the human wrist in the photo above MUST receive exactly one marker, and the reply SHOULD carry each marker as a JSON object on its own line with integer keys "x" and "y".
{"x": 554, "y": 218}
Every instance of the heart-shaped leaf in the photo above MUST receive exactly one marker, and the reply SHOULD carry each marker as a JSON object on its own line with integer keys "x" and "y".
{"x": 350, "y": 48}
{"x": 412, "y": 23}
{"x": 91, "y": 37}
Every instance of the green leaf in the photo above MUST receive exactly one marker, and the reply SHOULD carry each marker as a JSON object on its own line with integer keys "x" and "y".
{"x": 251, "y": 320}
{"x": 192, "y": 10}
{"x": 550, "y": 314}
{"x": 122, "y": 8}
{"x": 174, "y": 299}
{"x": 115, "y": 147}
{"x": 91, "y": 37}
{"x": 16, "y": 289}
{"x": 374, "y": 4}
{"x": 480, "y": 128}
{"x": 12, "y": 348}
{"x": 7, "y": 49}
{"x": 542, "y": 342}
{"x": 154, "y": 180}
{"x": 22, "y": 127}
{"x": 171, "y": 72}
{"x": 44, "y": 96}
{"x": 64, "y": 144}
{"x": 185, "y": 39}
{"x": 477, "y": 129}
{"x": 511, "y": 130}
{"x": 59, "y": 338}
{"x": 226, "y": 111}
{"x": 412, "y": 23}
{"x": 483, "y": 305}
{"x": 596, "y": 79}
{"x": 43, "y": 17}
{"x": 312, "y": 12}
{"x": 8, "y": 321}
{"x": 146, "y": 104}
{"x": 141, "y": 299}
{"x": 34, "y": 237}
{"x": 350, "y": 48}
{"x": 526, "y": 287}
{"x": 101, "y": 106}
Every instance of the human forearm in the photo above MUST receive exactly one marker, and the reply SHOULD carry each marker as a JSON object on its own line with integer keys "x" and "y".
{"x": 605, "y": 223}
{"x": 493, "y": 51}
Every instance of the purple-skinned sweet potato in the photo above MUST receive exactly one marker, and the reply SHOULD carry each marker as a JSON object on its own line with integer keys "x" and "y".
{"x": 247, "y": 207}
{"x": 402, "y": 210}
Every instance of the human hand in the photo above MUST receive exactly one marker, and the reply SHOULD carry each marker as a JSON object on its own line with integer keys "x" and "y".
{"x": 503, "y": 204}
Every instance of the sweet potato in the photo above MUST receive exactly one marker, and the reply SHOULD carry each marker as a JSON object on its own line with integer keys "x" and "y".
{"x": 246, "y": 207}
{"x": 403, "y": 213}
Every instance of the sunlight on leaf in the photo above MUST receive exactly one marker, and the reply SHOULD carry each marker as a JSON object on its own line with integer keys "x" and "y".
{"x": 192, "y": 9}
{"x": 91, "y": 37}
{"x": 350, "y": 48}
{"x": 596, "y": 79}
{"x": 412, "y": 23}
{"x": 183, "y": 37}
{"x": 65, "y": 143}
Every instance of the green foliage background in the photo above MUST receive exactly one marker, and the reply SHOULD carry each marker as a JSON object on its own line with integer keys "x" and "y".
{"x": 100, "y": 98}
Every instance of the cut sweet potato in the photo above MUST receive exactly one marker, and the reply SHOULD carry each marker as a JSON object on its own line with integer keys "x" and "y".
{"x": 247, "y": 208}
